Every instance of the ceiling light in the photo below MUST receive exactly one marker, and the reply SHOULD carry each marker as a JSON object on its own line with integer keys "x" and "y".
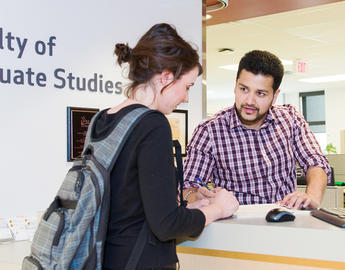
{"x": 230, "y": 67}
{"x": 220, "y": 5}
{"x": 208, "y": 16}
{"x": 235, "y": 67}
{"x": 286, "y": 62}
{"x": 333, "y": 78}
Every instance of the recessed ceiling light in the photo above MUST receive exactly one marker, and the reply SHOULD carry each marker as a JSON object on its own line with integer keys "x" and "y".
{"x": 286, "y": 62}
{"x": 333, "y": 78}
{"x": 220, "y": 5}
{"x": 230, "y": 67}
{"x": 208, "y": 16}
{"x": 235, "y": 66}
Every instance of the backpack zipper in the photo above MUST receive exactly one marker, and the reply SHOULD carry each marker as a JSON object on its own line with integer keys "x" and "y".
{"x": 80, "y": 181}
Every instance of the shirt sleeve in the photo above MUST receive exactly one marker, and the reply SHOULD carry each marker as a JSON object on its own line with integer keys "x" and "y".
{"x": 306, "y": 148}
{"x": 157, "y": 183}
{"x": 199, "y": 162}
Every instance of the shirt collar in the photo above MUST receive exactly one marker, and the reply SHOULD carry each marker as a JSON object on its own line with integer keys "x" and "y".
{"x": 271, "y": 118}
{"x": 234, "y": 121}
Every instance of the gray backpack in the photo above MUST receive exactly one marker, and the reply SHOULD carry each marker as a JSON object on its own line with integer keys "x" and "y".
{"x": 72, "y": 231}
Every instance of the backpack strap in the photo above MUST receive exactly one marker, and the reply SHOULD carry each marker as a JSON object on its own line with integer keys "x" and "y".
{"x": 107, "y": 150}
{"x": 178, "y": 155}
{"x": 138, "y": 248}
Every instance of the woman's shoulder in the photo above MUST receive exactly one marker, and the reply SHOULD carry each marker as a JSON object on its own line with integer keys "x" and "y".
{"x": 153, "y": 127}
{"x": 154, "y": 120}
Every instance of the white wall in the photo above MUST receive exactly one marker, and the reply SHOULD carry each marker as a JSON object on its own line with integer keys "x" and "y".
{"x": 290, "y": 98}
{"x": 33, "y": 118}
{"x": 335, "y": 115}
{"x": 334, "y": 110}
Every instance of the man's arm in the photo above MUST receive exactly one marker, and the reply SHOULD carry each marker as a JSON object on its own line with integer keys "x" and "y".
{"x": 316, "y": 183}
{"x": 308, "y": 154}
{"x": 198, "y": 163}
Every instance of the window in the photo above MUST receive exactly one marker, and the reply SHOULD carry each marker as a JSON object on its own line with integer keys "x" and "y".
{"x": 313, "y": 108}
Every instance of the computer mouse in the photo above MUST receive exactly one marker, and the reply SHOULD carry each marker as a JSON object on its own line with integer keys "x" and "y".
{"x": 279, "y": 215}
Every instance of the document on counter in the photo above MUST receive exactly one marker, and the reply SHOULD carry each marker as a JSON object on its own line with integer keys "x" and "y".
{"x": 260, "y": 210}
{"x": 5, "y": 232}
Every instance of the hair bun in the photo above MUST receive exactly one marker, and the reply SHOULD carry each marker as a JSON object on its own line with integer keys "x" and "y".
{"x": 123, "y": 52}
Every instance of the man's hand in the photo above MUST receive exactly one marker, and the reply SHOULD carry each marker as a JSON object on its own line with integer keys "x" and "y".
{"x": 316, "y": 184}
{"x": 299, "y": 200}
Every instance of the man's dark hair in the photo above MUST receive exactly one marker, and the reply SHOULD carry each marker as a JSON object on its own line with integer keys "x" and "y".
{"x": 265, "y": 63}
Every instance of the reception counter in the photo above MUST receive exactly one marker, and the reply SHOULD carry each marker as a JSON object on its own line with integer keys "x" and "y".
{"x": 12, "y": 254}
{"x": 248, "y": 241}
{"x": 245, "y": 241}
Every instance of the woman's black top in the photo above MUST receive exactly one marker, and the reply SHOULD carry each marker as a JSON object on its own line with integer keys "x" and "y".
{"x": 143, "y": 188}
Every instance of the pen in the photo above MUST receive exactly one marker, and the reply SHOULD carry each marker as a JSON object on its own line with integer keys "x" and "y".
{"x": 203, "y": 184}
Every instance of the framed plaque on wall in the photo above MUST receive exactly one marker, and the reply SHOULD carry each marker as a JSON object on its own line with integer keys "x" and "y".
{"x": 78, "y": 121}
{"x": 178, "y": 121}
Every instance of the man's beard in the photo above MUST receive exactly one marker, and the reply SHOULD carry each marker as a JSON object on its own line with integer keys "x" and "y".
{"x": 259, "y": 116}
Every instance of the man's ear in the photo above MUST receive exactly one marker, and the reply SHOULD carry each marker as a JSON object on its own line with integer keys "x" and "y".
{"x": 275, "y": 96}
{"x": 166, "y": 77}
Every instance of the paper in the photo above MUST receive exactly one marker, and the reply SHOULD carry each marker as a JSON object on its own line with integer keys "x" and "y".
{"x": 22, "y": 228}
{"x": 5, "y": 232}
{"x": 261, "y": 210}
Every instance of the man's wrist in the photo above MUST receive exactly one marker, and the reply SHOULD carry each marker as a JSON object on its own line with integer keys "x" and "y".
{"x": 316, "y": 198}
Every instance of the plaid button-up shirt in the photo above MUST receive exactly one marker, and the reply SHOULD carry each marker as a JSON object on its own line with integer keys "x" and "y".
{"x": 259, "y": 166}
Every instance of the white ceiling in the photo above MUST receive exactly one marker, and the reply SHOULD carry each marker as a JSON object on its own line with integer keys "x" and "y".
{"x": 314, "y": 35}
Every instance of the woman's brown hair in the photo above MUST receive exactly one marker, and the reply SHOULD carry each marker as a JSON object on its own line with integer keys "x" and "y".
{"x": 160, "y": 48}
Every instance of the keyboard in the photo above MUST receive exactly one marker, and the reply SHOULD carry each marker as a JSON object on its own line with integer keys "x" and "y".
{"x": 335, "y": 216}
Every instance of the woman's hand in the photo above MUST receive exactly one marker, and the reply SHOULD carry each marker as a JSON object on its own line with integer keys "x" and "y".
{"x": 198, "y": 204}
{"x": 223, "y": 204}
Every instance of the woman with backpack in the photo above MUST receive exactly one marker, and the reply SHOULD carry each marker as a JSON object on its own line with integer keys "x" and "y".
{"x": 162, "y": 67}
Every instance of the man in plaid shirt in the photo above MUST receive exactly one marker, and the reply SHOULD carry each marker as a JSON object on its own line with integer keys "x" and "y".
{"x": 252, "y": 148}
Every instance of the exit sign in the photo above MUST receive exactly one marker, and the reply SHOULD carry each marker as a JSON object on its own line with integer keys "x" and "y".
{"x": 301, "y": 67}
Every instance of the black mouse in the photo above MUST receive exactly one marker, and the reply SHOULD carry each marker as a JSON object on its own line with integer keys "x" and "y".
{"x": 279, "y": 215}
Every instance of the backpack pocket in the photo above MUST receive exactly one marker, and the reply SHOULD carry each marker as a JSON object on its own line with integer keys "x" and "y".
{"x": 30, "y": 263}
{"x": 48, "y": 235}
